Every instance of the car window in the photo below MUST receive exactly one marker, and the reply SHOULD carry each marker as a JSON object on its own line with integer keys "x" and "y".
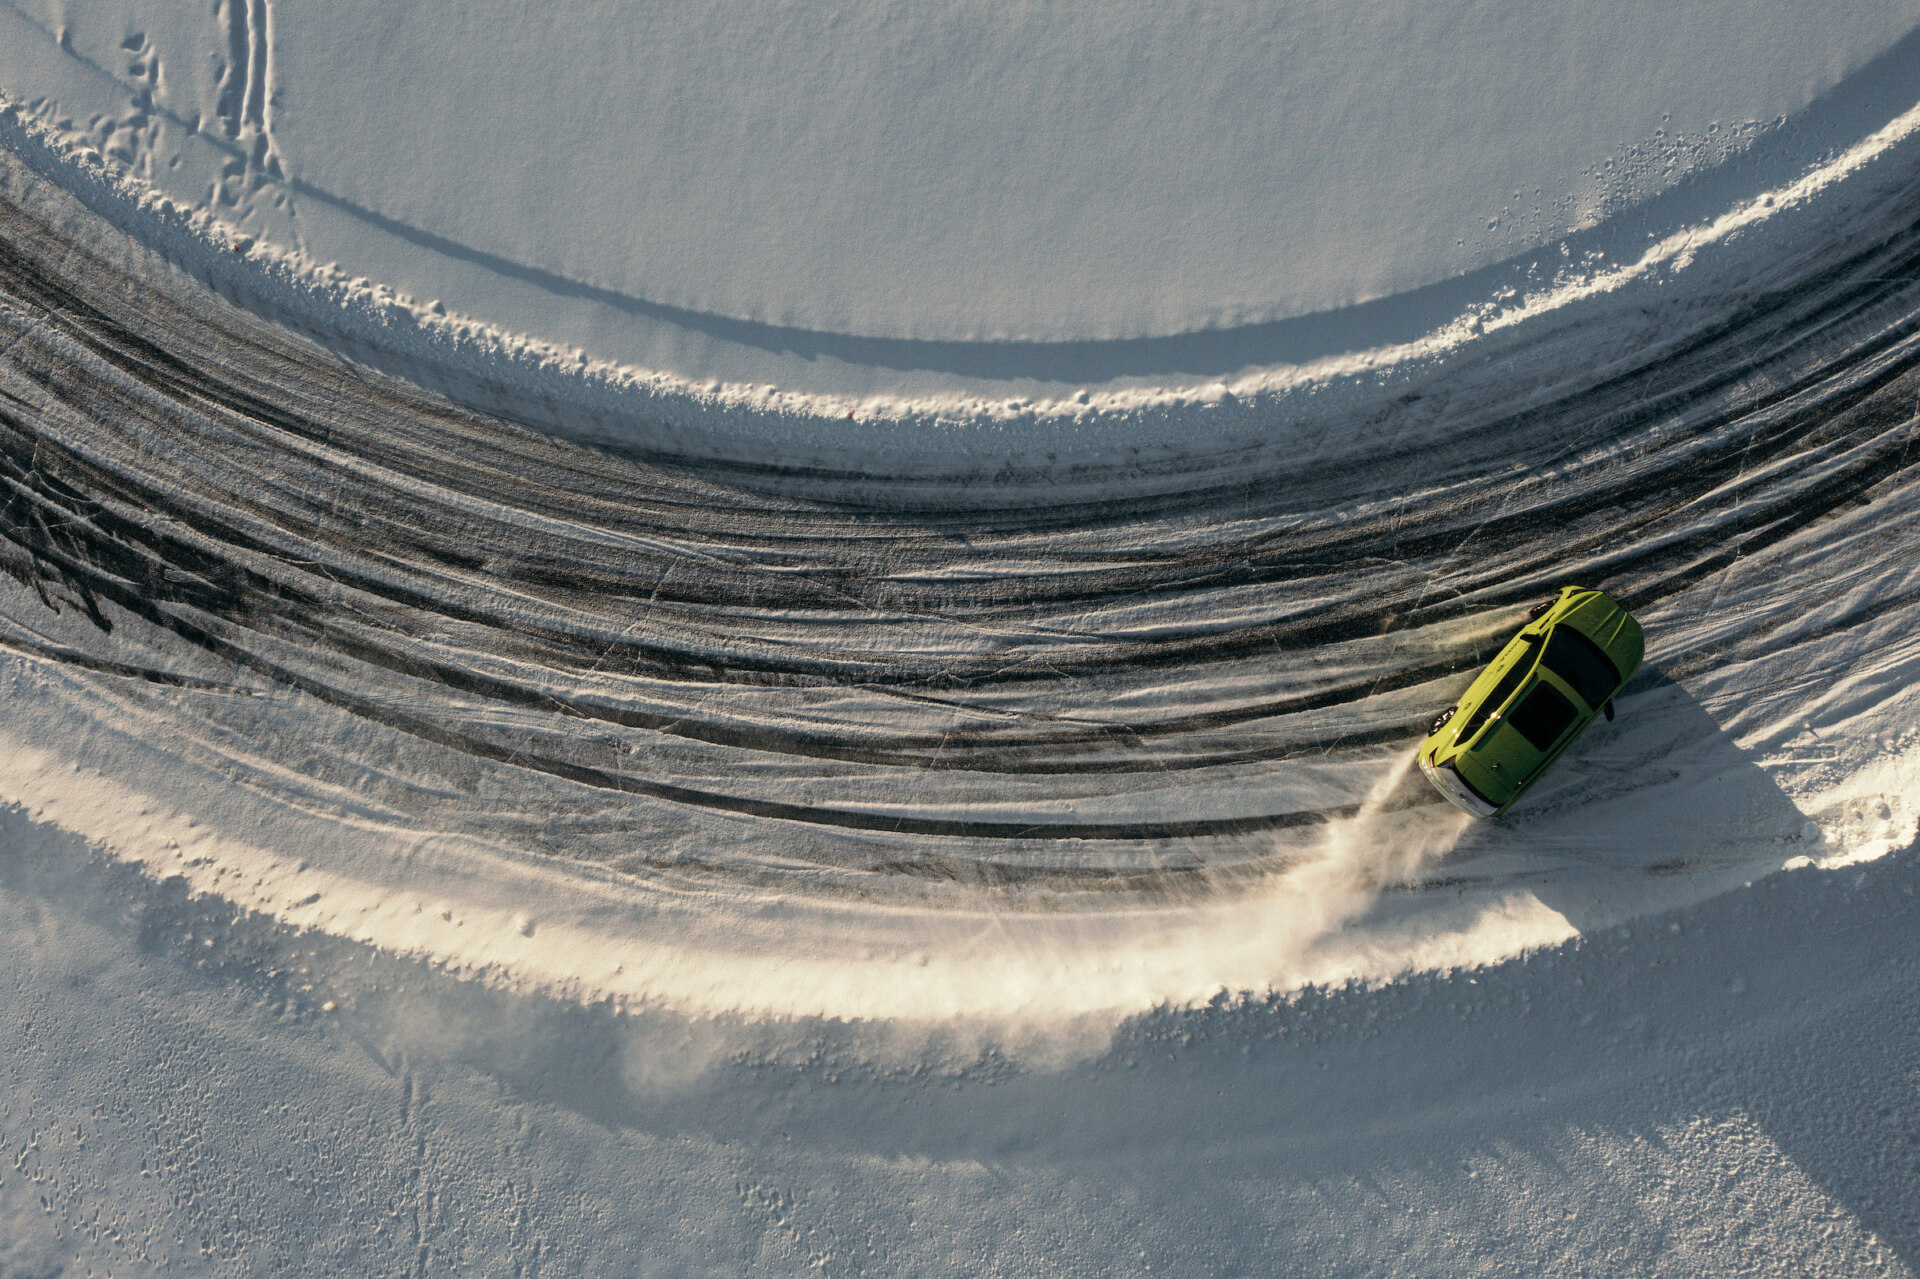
{"x": 1501, "y": 692}
{"x": 1542, "y": 716}
{"x": 1582, "y": 664}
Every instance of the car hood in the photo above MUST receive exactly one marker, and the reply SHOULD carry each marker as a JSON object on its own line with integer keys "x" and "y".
{"x": 1608, "y": 625}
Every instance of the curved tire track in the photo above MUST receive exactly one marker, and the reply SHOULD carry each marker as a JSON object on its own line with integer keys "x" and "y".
{"x": 967, "y": 673}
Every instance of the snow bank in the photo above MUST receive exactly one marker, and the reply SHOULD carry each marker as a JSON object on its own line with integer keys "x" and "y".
{"x": 1039, "y": 272}
{"x": 194, "y": 1089}
{"x": 959, "y": 172}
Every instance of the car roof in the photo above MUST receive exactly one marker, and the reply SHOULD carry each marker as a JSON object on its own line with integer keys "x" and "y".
{"x": 1497, "y": 740}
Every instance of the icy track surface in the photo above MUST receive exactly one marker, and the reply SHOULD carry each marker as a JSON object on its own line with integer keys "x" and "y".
{"x": 496, "y": 829}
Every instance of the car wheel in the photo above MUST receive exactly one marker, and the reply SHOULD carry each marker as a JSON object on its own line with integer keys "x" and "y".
{"x": 1440, "y": 720}
{"x": 1540, "y": 610}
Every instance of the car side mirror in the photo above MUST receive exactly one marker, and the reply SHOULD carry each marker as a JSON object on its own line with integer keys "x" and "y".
{"x": 1607, "y": 710}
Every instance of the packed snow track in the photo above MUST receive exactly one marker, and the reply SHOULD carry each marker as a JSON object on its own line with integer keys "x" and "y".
{"x": 1098, "y": 683}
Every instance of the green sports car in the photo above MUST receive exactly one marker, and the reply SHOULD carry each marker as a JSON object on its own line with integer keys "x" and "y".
{"x": 1540, "y": 693}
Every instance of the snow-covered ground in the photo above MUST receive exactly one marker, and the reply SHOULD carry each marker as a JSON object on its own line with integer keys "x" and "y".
{"x": 741, "y": 219}
{"x": 727, "y": 639}
{"x": 949, "y": 172}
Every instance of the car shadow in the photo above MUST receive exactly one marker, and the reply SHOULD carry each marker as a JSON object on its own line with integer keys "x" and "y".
{"x": 1659, "y": 806}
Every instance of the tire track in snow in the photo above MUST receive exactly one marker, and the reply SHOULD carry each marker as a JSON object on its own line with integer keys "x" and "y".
{"x": 1067, "y": 682}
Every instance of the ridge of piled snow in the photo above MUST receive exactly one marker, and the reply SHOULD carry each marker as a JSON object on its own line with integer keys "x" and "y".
{"x": 529, "y": 376}
{"x": 954, "y": 172}
{"x": 203, "y": 157}
{"x": 188, "y": 1088}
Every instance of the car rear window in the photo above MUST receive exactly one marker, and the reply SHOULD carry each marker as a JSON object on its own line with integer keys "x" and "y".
{"x": 1582, "y": 664}
{"x": 1501, "y": 692}
{"x": 1542, "y": 716}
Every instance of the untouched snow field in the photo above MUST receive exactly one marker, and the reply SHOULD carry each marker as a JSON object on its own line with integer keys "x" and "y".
{"x": 756, "y": 639}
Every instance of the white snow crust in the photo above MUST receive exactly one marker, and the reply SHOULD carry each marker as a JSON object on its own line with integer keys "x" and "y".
{"x": 956, "y": 171}
{"x": 936, "y": 212}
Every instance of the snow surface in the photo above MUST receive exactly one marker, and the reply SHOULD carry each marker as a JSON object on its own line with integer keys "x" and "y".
{"x": 1124, "y": 170}
{"x": 1728, "y": 1089}
{"x": 907, "y": 210}
{"x": 501, "y": 775}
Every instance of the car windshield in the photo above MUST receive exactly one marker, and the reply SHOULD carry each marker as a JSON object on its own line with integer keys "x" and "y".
{"x": 1581, "y": 663}
{"x": 1492, "y": 702}
{"x": 1542, "y": 716}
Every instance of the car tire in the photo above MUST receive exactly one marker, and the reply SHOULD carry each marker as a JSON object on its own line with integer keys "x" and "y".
{"x": 1440, "y": 720}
